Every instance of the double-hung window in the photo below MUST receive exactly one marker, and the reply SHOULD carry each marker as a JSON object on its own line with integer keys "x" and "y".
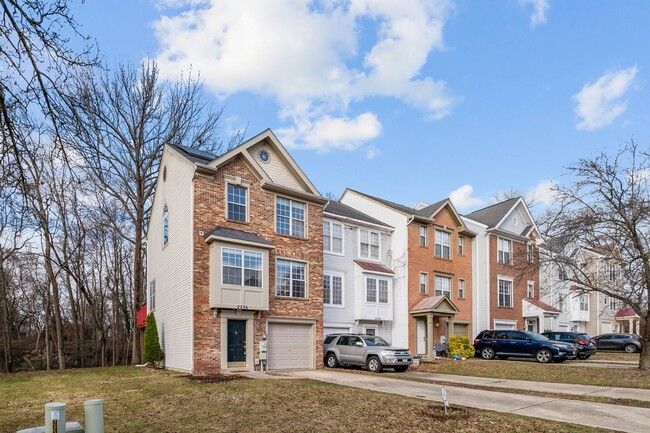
{"x": 152, "y": 295}
{"x": 505, "y": 293}
{"x": 461, "y": 288}
{"x": 237, "y": 201}
{"x": 531, "y": 289}
{"x": 165, "y": 224}
{"x": 443, "y": 286}
{"x": 423, "y": 282}
{"x": 369, "y": 244}
{"x": 290, "y": 279}
{"x": 584, "y": 302}
{"x": 423, "y": 236}
{"x": 376, "y": 290}
{"x": 461, "y": 245}
{"x": 332, "y": 289}
{"x": 504, "y": 248}
{"x": 332, "y": 237}
{"x": 443, "y": 244}
{"x": 241, "y": 267}
{"x": 290, "y": 217}
{"x": 529, "y": 253}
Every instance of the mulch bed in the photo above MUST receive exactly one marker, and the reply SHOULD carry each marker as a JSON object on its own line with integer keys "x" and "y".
{"x": 215, "y": 378}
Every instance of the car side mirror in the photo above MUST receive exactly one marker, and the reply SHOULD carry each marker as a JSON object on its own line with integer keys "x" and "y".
{"x": 358, "y": 343}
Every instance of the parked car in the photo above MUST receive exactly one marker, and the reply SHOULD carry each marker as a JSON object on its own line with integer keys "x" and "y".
{"x": 370, "y": 351}
{"x": 627, "y": 342}
{"x": 525, "y": 344}
{"x": 585, "y": 345}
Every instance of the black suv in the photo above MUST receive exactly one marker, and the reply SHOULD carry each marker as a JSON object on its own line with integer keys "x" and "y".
{"x": 586, "y": 346}
{"x": 506, "y": 343}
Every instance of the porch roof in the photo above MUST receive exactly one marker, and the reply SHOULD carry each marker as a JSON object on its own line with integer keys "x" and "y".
{"x": 543, "y": 306}
{"x": 439, "y": 305}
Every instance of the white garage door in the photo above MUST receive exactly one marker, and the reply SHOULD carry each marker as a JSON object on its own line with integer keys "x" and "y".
{"x": 290, "y": 346}
{"x": 504, "y": 324}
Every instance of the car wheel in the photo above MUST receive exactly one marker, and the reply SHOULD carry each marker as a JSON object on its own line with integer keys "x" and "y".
{"x": 331, "y": 361}
{"x": 401, "y": 368}
{"x": 544, "y": 356}
{"x": 374, "y": 364}
{"x": 630, "y": 348}
{"x": 503, "y": 357}
{"x": 487, "y": 353}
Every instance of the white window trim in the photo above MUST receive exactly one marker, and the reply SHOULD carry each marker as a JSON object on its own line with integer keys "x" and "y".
{"x": 238, "y": 181}
{"x": 451, "y": 247}
{"x": 512, "y": 291}
{"x": 275, "y": 283}
{"x": 365, "y": 328}
{"x": 510, "y": 252}
{"x": 451, "y": 284}
{"x": 377, "y": 277}
{"x": 334, "y": 253}
{"x": 369, "y": 258}
{"x": 426, "y": 233}
{"x": 151, "y": 301}
{"x": 464, "y": 288}
{"x": 336, "y": 274}
{"x": 243, "y": 268}
{"x": 275, "y": 218}
{"x": 461, "y": 245}
{"x": 528, "y": 285}
{"x": 426, "y": 283}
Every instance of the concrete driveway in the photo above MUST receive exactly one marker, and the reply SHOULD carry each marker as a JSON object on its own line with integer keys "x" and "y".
{"x": 614, "y": 417}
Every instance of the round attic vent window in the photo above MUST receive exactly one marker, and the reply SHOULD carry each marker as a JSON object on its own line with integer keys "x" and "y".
{"x": 514, "y": 221}
{"x": 164, "y": 173}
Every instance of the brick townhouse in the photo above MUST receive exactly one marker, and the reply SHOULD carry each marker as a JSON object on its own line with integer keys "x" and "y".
{"x": 235, "y": 258}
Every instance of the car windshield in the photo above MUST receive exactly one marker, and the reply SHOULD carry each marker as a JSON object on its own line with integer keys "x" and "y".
{"x": 375, "y": 341}
{"x": 535, "y": 336}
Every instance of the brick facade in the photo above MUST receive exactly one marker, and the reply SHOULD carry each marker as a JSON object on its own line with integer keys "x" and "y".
{"x": 423, "y": 259}
{"x": 209, "y": 212}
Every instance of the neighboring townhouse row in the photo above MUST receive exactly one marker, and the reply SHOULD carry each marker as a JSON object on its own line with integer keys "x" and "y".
{"x": 243, "y": 254}
{"x": 580, "y": 309}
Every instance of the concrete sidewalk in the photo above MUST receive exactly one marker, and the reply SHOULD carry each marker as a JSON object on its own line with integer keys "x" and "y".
{"x": 526, "y": 385}
{"x": 614, "y": 417}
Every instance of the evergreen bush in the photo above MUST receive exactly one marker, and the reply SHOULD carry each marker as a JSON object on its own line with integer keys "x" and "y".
{"x": 460, "y": 346}
{"x": 152, "y": 351}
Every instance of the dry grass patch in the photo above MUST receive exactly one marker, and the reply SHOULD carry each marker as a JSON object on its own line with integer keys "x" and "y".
{"x": 530, "y": 370}
{"x": 137, "y": 400}
{"x": 615, "y": 356}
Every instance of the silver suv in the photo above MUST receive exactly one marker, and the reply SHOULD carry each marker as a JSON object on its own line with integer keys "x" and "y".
{"x": 364, "y": 350}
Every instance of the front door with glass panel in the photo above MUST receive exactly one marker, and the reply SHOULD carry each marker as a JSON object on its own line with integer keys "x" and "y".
{"x": 421, "y": 337}
{"x": 236, "y": 343}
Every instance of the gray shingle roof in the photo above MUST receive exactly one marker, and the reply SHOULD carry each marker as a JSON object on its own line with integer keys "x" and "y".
{"x": 237, "y": 235}
{"x": 338, "y": 208}
{"x": 492, "y": 215}
{"x": 194, "y": 155}
{"x": 424, "y": 212}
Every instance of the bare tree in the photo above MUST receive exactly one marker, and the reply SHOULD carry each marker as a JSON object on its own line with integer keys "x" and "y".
{"x": 606, "y": 209}
{"x": 124, "y": 120}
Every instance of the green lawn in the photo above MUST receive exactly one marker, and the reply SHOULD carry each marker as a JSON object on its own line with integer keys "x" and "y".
{"x": 144, "y": 400}
{"x": 530, "y": 370}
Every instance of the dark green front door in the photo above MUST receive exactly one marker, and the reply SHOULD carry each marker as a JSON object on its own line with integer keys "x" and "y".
{"x": 237, "y": 342}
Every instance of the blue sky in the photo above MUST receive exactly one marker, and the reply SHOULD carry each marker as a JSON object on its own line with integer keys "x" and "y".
{"x": 411, "y": 100}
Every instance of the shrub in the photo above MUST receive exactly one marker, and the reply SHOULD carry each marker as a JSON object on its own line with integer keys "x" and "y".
{"x": 460, "y": 346}
{"x": 152, "y": 351}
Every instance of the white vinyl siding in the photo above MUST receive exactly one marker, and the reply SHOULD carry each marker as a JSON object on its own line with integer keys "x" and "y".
{"x": 443, "y": 244}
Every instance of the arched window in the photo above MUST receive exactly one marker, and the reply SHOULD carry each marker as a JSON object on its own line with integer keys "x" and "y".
{"x": 165, "y": 226}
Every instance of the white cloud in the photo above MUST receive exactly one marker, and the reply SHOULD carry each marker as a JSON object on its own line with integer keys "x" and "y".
{"x": 543, "y": 193}
{"x": 308, "y": 56}
{"x": 540, "y": 7}
{"x": 600, "y": 103}
{"x": 462, "y": 198}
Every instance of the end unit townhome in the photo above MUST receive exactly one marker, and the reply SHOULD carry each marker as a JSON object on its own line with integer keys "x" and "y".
{"x": 235, "y": 258}
{"x": 506, "y": 274}
{"x": 431, "y": 256}
{"x": 358, "y": 284}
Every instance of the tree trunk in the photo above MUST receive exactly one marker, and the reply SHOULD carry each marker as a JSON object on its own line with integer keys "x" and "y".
{"x": 47, "y": 331}
{"x": 644, "y": 332}
{"x": 137, "y": 290}
{"x": 58, "y": 322}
